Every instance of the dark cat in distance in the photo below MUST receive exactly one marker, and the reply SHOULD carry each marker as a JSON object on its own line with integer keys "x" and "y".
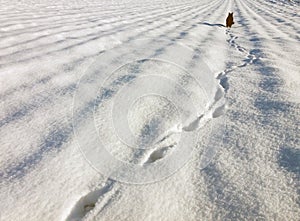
{"x": 229, "y": 20}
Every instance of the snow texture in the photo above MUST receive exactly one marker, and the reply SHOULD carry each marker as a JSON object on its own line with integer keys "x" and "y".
{"x": 215, "y": 112}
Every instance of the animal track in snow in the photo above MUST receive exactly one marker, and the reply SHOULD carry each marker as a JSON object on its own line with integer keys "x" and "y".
{"x": 219, "y": 111}
{"x": 159, "y": 154}
{"x": 250, "y": 57}
{"x": 215, "y": 110}
{"x": 95, "y": 201}
{"x": 87, "y": 203}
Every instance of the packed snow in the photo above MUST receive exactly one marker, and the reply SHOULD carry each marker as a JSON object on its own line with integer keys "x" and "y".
{"x": 149, "y": 110}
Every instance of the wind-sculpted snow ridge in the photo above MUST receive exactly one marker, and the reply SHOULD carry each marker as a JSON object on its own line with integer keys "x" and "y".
{"x": 153, "y": 110}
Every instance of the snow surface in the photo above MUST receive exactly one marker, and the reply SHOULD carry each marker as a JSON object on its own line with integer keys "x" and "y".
{"x": 149, "y": 110}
